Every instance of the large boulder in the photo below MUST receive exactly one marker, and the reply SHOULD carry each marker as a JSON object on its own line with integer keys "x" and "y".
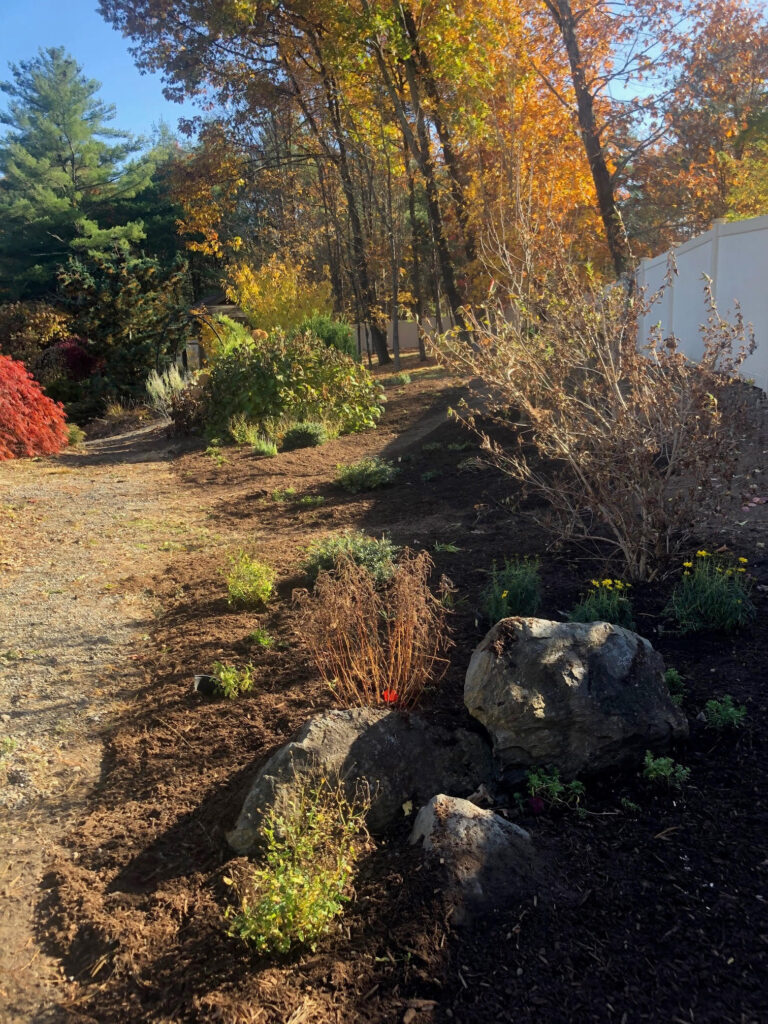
{"x": 579, "y": 696}
{"x": 403, "y": 759}
{"x": 483, "y": 858}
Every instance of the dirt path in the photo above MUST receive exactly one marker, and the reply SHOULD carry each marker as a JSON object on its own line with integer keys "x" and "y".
{"x": 80, "y": 538}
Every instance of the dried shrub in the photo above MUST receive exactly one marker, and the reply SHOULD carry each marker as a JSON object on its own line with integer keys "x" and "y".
{"x": 30, "y": 423}
{"x": 377, "y": 644}
{"x": 622, "y": 442}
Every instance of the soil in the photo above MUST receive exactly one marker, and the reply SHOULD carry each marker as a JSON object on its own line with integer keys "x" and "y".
{"x": 653, "y": 907}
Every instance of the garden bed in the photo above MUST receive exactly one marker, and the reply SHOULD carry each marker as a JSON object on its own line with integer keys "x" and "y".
{"x": 654, "y": 905}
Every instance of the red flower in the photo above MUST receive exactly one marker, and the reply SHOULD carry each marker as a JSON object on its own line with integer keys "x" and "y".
{"x": 389, "y": 696}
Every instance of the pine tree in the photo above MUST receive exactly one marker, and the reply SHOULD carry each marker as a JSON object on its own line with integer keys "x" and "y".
{"x": 64, "y": 173}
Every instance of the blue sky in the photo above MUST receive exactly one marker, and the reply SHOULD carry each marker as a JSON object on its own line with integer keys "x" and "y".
{"x": 27, "y": 25}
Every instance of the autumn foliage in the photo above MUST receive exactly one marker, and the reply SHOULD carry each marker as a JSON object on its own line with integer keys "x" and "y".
{"x": 30, "y": 423}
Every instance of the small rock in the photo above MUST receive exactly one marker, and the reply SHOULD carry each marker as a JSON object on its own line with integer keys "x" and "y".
{"x": 485, "y": 858}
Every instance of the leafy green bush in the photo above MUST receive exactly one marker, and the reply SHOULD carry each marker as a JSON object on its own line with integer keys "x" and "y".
{"x": 273, "y": 379}
{"x": 366, "y": 475}
{"x": 305, "y": 435}
{"x": 606, "y": 601}
{"x": 377, "y": 556}
{"x": 230, "y": 681}
{"x": 310, "y": 852}
{"x": 712, "y": 594}
{"x": 675, "y": 685}
{"x": 724, "y": 714}
{"x": 664, "y": 771}
{"x": 250, "y": 582}
{"x": 333, "y": 333}
{"x": 261, "y": 638}
{"x": 514, "y": 589}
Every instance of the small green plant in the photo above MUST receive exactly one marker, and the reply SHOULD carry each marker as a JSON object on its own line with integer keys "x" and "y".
{"x": 284, "y": 495}
{"x": 401, "y": 378}
{"x": 261, "y": 638}
{"x": 724, "y": 714}
{"x": 675, "y": 685}
{"x": 664, "y": 771}
{"x": 461, "y": 446}
{"x": 230, "y": 681}
{"x": 75, "y": 435}
{"x": 163, "y": 387}
{"x": 515, "y": 589}
{"x": 447, "y": 548}
{"x": 250, "y": 582}
{"x": 433, "y": 446}
{"x": 606, "y": 601}
{"x": 713, "y": 593}
{"x": 375, "y": 555}
{"x": 261, "y": 445}
{"x": 305, "y": 435}
{"x": 310, "y": 851}
{"x": 312, "y": 500}
{"x": 629, "y": 805}
{"x": 430, "y": 474}
{"x": 547, "y": 785}
{"x": 7, "y": 746}
{"x": 214, "y": 452}
{"x": 366, "y": 475}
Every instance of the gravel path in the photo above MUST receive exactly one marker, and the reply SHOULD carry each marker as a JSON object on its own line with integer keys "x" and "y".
{"x": 81, "y": 538}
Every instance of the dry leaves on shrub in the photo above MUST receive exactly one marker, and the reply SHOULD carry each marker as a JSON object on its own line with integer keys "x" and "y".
{"x": 377, "y": 644}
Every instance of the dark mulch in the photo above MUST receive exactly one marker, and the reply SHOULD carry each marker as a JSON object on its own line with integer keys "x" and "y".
{"x": 654, "y": 905}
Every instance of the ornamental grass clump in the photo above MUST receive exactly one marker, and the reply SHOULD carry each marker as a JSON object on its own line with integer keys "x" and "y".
{"x": 606, "y": 601}
{"x": 305, "y": 435}
{"x": 514, "y": 589}
{"x": 377, "y": 644}
{"x": 250, "y": 582}
{"x": 713, "y": 593}
{"x": 310, "y": 852}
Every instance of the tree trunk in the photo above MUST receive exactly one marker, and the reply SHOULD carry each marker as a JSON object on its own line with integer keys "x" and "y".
{"x": 616, "y": 236}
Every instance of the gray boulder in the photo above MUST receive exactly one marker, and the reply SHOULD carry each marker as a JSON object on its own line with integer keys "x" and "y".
{"x": 579, "y": 696}
{"x": 482, "y": 856}
{"x": 401, "y": 757}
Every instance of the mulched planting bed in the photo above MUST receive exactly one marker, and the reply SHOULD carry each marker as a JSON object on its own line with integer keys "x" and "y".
{"x": 654, "y": 906}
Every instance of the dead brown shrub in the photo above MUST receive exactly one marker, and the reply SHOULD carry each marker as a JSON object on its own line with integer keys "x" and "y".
{"x": 377, "y": 644}
{"x": 629, "y": 446}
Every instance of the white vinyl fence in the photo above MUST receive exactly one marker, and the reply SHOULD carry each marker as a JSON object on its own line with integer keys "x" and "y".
{"x": 735, "y": 256}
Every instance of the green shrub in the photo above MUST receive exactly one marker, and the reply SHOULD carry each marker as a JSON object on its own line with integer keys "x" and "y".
{"x": 312, "y": 500}
{"x": 675, "y": 685}
{"x": 513, "y": 590}
{"x": 305, "y": 435}
{"x": 712, "y": 594}
{"x": 366, "y": 475}
{"x": 333, "y": 333}
{"x": 75, "y": 435}
{"x": 230, "y": 681}
{"x": 664, "y": 771}
{"x": 377, "y": 556}
{"x": 724, "y": 714}
{"x": 606, "y": 601}
{"x": 284, "y": 494}
{"x": 310, "y": 852}
{"x": 250, "y": 582}
{"x": 274, "y": 379}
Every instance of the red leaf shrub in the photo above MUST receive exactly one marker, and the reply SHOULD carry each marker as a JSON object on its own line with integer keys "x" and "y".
{"x": 30, "y": 423}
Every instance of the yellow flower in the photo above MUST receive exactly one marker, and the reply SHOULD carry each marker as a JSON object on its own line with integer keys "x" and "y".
{"x": 702, "y": 554}
{"x": 595, "y": 583}
{"x": 608, "y": 583}
{"x": 741, "y": 570}
{"x": 744, "y": 561}
{"x": 504, "y": 594}
{"x": 687, "y": 565}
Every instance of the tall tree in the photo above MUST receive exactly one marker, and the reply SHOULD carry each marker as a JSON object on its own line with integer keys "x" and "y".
{"x": 64, "y": 172}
